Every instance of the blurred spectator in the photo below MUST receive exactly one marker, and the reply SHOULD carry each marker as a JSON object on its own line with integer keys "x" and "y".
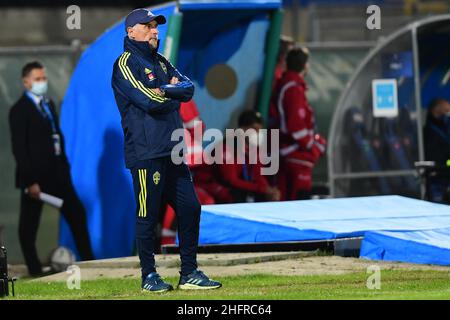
{"x": 42, "y": 166}
{"x": 245, "y": 180}
{"x": 206, "y": 177}
{"x": 437, "y": 146}
{"x": 206, "y": 192}
{"x": 286, "y": 44}
{"x": 300, "y": 146}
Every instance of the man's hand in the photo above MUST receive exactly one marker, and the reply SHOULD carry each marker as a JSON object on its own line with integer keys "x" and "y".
{"x": 158, "y": 92}
{"x": 174, "y": 80}
{"x": 273, "y": 194}
{"x": 34, "y": 191}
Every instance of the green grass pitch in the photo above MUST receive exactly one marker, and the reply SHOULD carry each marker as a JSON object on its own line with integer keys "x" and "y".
{"x": 396, "y": 284}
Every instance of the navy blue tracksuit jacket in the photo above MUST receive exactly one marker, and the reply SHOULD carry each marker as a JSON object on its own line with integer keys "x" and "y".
{"x": 148, "y": 121}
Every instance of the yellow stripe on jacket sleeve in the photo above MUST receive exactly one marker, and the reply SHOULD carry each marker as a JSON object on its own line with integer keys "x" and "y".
{"x": 136, "y": 84}
{"x": 140, "y": 85}
{"x": 128, "y": 75}
{"x": 123, "y": 70}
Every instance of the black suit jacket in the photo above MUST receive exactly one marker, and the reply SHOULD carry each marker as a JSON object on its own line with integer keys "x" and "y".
{"x": 32, "y": 145}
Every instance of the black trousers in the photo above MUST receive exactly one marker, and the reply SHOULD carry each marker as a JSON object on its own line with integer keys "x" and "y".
{"x": 72, "y": 210}
{"x": 157, "y": 182}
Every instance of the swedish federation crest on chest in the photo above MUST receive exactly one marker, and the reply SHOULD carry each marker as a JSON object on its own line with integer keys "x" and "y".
{"x": 163, "y": 66}
{"x": 156, "y": 178}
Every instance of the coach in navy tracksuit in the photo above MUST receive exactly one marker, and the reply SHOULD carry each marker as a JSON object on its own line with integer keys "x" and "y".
{"x": 148, "y": 91}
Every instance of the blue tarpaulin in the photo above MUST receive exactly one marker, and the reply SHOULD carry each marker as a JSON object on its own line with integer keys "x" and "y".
{"x": 394, "y": 228}
{"x": 317, "y": 219}
{"x": 426, "y": 246}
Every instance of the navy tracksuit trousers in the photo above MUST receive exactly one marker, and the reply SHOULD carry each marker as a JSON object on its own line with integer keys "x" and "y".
{"x": 160, "y": 181}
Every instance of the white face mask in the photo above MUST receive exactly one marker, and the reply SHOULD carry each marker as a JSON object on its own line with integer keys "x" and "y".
{"x": 256, "y": 139}
{"x": 39, "y": 88}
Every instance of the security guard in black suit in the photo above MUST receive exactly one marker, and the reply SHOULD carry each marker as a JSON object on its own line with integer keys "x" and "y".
{"x": 42, "y": 165}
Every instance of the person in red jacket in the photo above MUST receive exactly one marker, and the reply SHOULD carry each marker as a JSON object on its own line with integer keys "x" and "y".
{"x": 286, "y": 44}
{"x": 245, "y": 180}
{"x": 300, "y": 145}
{"x": 208, "y": 190}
